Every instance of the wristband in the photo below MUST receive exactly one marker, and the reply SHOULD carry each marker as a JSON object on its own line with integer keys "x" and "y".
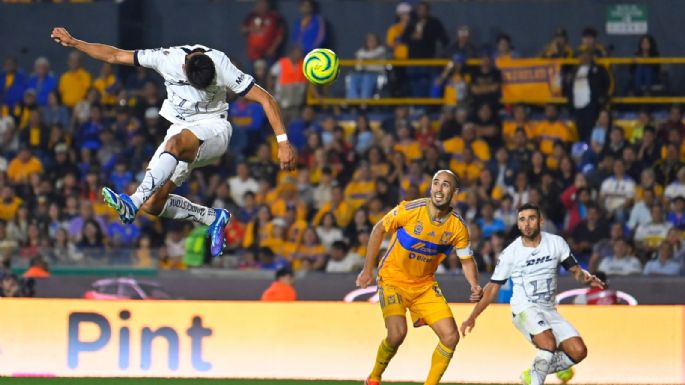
{"x": 282, "y": 138}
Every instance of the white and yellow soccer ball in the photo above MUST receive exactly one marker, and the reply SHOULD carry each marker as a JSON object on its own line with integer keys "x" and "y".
{"x": 321, "y": 66}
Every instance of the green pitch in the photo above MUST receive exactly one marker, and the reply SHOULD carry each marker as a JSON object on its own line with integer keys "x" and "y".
{"x": 175, "y": 381}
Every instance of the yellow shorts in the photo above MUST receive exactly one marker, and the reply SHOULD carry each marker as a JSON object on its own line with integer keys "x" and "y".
{"x": 426, "y": 304}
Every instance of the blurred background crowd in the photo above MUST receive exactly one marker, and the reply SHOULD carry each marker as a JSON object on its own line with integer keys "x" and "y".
{"x": 612, "y": 182}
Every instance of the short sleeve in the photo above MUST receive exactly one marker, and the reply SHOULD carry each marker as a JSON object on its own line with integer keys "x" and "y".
{"x": 505, "y": 265}
{"x": 462, "y": 243}
{"x": 236, "y": 80}
{"x": 396, "y": 218}
{"x": 566, "y": 258}
{"x": 150, "y": 58}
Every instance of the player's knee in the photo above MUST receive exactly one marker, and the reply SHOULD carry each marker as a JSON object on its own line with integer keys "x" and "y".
{"x": 546, "y": 341}
{"x": 450, "y": 339}
{"x": 578, "y": 352}
{"x": 174, "y": 145}
{"x": 396, "y": 337}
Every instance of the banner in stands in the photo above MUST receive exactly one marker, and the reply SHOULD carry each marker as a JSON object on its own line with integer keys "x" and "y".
{"x": 530, "y": 80}
{"x": 324, "y": 340}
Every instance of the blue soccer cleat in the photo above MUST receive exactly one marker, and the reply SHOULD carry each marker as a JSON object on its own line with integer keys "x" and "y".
{"x": 216, "y": 231}
{"x": 121, "y": 203}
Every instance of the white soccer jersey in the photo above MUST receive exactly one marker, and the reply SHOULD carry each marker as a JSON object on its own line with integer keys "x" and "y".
{"x": 533, "y": 271}
{"x": 184, "y": 102}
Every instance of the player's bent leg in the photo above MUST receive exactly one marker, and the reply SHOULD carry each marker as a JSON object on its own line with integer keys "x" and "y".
{"x": 574, "y": 348}
{"x": 546, "y": 344}
{"x": 155, "y": 205}
{"x": 571, "y": 351}
{"x": 181, "y": 147}
{"x": 448, "y": 333}
{"x": 396, "y": 327}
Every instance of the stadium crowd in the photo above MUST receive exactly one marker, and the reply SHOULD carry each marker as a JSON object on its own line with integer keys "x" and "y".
{"x": 616, "y": 191}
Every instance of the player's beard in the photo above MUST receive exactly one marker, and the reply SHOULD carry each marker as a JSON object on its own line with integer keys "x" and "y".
{"x": 533, "y": 235}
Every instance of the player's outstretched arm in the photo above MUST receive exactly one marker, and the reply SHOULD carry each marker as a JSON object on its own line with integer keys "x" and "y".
{"x": 100, "y": 52}
{"x": 489, "y": 294}
{"x": 365, "y": 278}
{"x": 470, "y": 269}
{"x": 286, "y": 153}
{"x": 583, "y": 276}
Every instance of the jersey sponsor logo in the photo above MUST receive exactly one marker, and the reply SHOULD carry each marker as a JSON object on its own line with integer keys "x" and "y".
{"x": 445, "y": 238}
{"x": 421, "y": 246}
{"x": 418, "y": 229}
{"x": 536, "y": 261}
{"x": 420, "y": 258}
{"x": 240, "y": 79}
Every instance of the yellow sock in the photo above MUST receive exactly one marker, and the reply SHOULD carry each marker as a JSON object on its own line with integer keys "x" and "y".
{"x": 441, "y": 359}
{"x": 383, "y": 357}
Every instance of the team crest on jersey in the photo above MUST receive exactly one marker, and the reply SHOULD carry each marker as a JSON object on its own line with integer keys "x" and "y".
{"x": 445, "y": 239}
{"x": 418, "y": 229}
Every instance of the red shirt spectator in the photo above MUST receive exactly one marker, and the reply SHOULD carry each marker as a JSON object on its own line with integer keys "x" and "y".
{"x": 264, "y": 29}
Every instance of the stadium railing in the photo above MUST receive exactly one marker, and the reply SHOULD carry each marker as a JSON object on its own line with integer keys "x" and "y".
{"x": 314, "y": 99}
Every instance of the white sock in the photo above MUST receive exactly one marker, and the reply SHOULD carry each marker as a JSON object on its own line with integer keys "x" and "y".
{"x": 155, "y": 178}
{"x": 560, "y": 361}
{"x": 540, "y": 367}
{"x": 178, "y": 207}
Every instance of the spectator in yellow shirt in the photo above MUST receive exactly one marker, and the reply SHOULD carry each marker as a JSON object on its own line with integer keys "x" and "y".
{"x": 415, "y": 177}
{"x": 288, "y": 198}
{"x": 23, "y": 166}
{"x": 552, "y": 129}
{"x": 9, "y": 204}
{"x": 454, "y": 147}
{"x": 468, "y": 169}
{"x": 108, "y": 85}
{"x": 520, "y": 121}
{"x": 407, "y": 145}
{"x": 74, "y": 83}
{"x": 258, "y": 229}
{"x": 338, "y": 206}
{"x": 362, "y": 186}
{"x": 393, "y": 37}
{"x": 310, "y": 255}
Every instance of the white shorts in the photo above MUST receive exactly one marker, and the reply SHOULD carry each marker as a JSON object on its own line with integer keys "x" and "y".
{"x": 535, "y": 320}
{"x": 214, "y": 133}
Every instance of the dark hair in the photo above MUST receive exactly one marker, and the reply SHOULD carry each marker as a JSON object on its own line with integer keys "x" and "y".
{"x": 283, "y": 272}
{"x": 529, "y": 206}
{"x": 590, "y": 32}
{"x": 200, "y": 70}
{"x": 340, "y": 245}
{"x": 653, "y": 49}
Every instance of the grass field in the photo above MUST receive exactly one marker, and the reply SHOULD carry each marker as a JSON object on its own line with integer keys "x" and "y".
{"x": 174, "y": 381}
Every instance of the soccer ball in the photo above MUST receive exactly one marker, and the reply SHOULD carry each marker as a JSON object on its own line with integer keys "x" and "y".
{"x": 321, "y": 66}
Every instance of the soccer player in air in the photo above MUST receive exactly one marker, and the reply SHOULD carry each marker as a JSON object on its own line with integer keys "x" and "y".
{"x": 532, "y": 261}
{"x": 197, "y": 79}
{"x": 424, "y": 232}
